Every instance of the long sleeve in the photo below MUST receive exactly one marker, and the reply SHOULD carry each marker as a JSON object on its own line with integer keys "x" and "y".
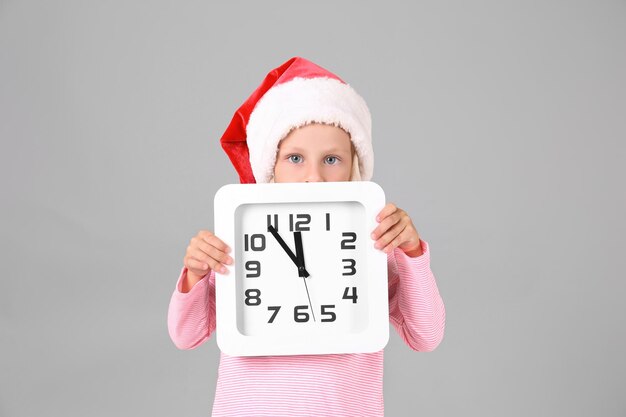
{"x": 416, "y": 309}
{"x": 191, "y": 316}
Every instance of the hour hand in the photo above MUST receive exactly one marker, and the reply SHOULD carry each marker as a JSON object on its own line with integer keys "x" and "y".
{"x": 282, "y": 243}
{"x": 300, "y": 255}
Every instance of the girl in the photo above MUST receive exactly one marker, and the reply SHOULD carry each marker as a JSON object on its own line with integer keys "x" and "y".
{"x": 304, "y": 124}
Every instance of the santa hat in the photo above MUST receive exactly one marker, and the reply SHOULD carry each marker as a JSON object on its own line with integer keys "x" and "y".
{"x": 293, "y": 95}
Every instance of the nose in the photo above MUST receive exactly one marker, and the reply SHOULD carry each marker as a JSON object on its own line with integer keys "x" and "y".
{"x": 314, "y": 174}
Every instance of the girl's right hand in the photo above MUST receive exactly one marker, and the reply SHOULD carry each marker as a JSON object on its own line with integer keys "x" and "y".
{"x": 206, "y": 252}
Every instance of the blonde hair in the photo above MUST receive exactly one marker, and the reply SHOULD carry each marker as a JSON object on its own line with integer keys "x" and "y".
{"x": 356, "y": 169}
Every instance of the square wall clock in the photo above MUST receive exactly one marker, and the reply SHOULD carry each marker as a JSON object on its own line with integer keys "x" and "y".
{"x": 306, "y": 278}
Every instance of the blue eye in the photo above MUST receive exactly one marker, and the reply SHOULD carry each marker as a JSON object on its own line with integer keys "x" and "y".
{"x": 296, "y": 159}
{"x": 331, "y": 160}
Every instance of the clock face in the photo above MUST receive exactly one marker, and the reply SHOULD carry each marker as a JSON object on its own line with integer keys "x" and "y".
{"x": 306, "y": 277}
{"x": 271, "y": 296}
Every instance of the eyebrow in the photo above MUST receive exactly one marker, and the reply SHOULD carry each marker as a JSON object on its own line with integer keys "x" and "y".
{"x": 300, "y": 150}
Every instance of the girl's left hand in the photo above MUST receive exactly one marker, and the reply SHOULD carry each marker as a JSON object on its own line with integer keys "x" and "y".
{"x": 395, "y": 229}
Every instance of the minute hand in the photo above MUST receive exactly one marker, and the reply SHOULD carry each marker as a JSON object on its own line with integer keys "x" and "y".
{"x": 282, "y": 243}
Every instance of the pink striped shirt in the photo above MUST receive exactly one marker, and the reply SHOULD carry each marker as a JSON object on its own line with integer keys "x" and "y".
{"x": 313, "y": 385}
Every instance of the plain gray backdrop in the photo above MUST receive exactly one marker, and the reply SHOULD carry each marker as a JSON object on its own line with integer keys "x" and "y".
{"x": 498, "y": 125}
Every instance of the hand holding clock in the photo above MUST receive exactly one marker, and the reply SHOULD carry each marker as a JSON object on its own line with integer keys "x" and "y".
{"x": 396, "y": 229}
{"x": 205, "y": 252}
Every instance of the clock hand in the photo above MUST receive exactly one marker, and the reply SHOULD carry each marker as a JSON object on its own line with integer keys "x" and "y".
{"x": 301, "y": 271}
{"x": 300, "y": 254}
{"x": 282, "y": 243}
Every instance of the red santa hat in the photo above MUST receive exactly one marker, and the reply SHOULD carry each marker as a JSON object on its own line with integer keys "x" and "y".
{"x": 293, "y": 95}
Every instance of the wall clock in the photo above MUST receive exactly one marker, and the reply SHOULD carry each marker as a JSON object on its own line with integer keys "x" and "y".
{"x": 306, "y": 278}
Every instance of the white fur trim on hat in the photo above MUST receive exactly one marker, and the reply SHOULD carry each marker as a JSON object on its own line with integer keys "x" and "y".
{"x": 301, "y": 101}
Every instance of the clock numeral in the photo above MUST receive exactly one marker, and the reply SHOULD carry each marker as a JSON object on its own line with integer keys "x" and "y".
{"x": 351, "y": 238}
{"x": 325, "y": 312}
{"x": 327, "y": 221}
{"x": 255, "y": 269}
{"x": 269, "y": 221}
{"x": 255, "y": 242}
{"x": 300, "y": 316}
{"x": 253, "y": 297}
{"x": 347, "y": 296}
{"x": 351, "y": 269}
{"x": 275, "y": 309}
{"x": 305, "y": 219}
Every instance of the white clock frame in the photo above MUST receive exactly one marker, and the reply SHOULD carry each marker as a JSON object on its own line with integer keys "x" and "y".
{"x": 230, "y": 340}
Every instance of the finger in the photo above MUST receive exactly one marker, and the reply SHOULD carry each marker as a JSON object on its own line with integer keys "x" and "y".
{"x": 386, "y": 224}
{"x": 215, "y": 253}
{"x": 397, "y": 241}
{"x": 196, "y": 266}
{"x": 213, "y": 263}
{"x": 211, "y": 239}
{"x": 386, "y": 211}
{"x": 389, "y": 236}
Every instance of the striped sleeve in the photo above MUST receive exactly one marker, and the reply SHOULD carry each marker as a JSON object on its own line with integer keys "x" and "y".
{"x": 416, "y": 309}
{"x": 191, "y": 316}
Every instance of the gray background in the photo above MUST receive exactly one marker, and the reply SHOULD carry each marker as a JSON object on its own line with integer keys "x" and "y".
{"x": 498, "y": 125}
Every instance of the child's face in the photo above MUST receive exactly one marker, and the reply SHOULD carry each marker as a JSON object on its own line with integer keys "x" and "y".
{"x": 314, "y": 153}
